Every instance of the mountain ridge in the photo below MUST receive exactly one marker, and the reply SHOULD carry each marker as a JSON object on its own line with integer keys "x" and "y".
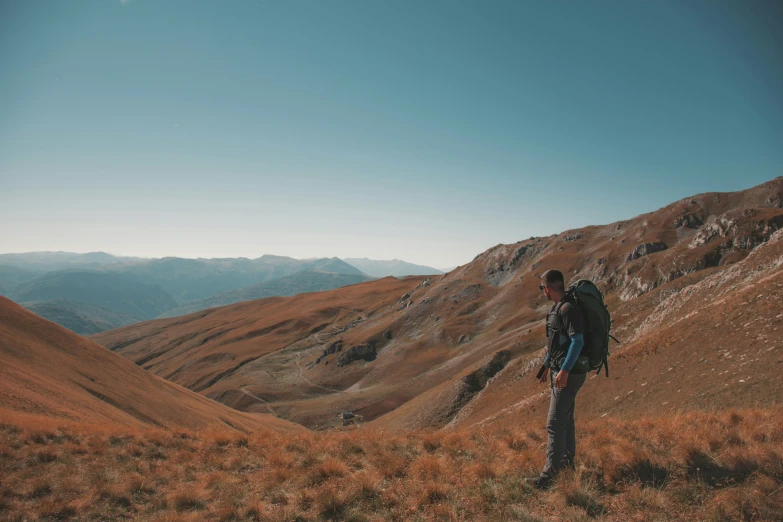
{"x": 148, "y": 289}
{"x": 393, "y": 267}
{"x": 117, "y": 292}
{"x": 439, "y": 330}
{"x": 305, "y": 281}
{"x": 79, "y": 317}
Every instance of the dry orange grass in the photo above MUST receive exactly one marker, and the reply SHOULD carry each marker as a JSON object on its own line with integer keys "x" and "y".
{"x": 696, "y": 466}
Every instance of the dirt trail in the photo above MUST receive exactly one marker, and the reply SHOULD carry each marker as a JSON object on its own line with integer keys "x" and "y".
{"x": 256, "y": 397}
{"x": 303, "y": 377}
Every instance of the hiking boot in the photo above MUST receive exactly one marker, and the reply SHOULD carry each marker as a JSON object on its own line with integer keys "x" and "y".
{"x": 541, "y": 482}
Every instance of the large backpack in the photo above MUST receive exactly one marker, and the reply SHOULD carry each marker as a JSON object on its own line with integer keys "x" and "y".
{"x": 598, "y": 322}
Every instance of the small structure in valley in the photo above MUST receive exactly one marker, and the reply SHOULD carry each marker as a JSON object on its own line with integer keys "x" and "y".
{"x": 349, "y": 418}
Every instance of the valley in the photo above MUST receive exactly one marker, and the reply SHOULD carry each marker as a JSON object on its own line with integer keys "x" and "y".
{"x": 232, "y": 412}
{"x": 423, "y": 336}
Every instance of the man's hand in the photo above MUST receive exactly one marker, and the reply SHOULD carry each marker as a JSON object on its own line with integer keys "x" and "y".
{"x": 544, "y": 376}
{"x": 562, "y": 379}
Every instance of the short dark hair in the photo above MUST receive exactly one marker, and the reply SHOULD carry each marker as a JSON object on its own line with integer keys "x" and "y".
{"x": 553, "y": 279}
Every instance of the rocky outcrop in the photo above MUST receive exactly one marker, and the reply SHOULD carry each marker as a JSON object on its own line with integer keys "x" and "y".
{"x": 758, "y": 232}
{"x": 745, "y": 236}
{"x": 712, "y": 290}
{"x": 334, "y": 347}
{"x": 729, "y": 238}
{"x": 594, "y": 271}
{"x": 688, "y": 221}
{"x": 502, "y": 263}
{"x": 719, "y": 228}
{"x": 364, "y": 352}
{"x": 470, "y": 292}
{"x": 645, "y": 249}
{"x": 474, "y": 382}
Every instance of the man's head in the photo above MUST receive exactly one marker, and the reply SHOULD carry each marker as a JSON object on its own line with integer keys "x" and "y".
{"x": 553, "y": 284}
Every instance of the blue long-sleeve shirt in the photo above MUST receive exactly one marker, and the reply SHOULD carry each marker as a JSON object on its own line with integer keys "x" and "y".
{"x": 574, "y": 350}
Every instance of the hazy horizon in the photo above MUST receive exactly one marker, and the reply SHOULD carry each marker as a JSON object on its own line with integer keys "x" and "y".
{"x": 439, "y": 267}
{"x": 422, "y": 132}
{"x": 115, "y": 254}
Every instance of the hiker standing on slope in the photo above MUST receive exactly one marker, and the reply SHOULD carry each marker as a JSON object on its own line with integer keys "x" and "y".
{"x": 565, "y": 329}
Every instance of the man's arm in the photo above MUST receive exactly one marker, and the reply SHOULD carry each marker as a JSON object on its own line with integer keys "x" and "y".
{"x": 574, "y": 350}
{"x": 543, "y": 373}
{"x": 573, "y": 321}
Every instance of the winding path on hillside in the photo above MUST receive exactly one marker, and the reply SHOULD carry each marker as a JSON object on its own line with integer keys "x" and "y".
{"x": 303, "y": 377}
{"x": 256, "y": 397}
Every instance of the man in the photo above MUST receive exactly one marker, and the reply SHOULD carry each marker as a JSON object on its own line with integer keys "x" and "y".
{"x": 565, "y": 340}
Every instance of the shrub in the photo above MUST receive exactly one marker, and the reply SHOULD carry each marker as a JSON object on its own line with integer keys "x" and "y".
{"x": 331, "y": 503}
{"x": 187, "y": 500}
{"x": 585, "y": 499}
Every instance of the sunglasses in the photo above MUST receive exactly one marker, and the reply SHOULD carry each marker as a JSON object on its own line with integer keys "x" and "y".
{"x": 541, "y": 287}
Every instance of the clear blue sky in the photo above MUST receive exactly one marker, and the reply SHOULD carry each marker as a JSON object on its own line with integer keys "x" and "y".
{"x": 422, "y": 130}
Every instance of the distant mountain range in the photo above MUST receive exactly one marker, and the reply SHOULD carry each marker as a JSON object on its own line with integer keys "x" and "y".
{"x": 96, "y": 291}
{"x": 448, "y": 269}
{"x": 12, "y": 276}
{"x": 299, "y": 283}
{"x": 395, "y": 267}
{"x": 110, "y": 290}
{"x": 79, "y": 317}
{"x": 193, "y": 279}
{"x": 37, "y": 262}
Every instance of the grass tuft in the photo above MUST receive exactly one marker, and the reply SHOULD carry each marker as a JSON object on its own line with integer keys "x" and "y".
{"x": 187, "y": 500}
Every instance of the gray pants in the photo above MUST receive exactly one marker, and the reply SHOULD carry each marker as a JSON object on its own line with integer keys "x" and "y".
{"x": 561, "y": 447}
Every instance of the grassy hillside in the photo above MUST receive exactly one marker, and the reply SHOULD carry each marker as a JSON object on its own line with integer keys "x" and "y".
{"x": 701, "y": 466}
{"x": 299, "y": 283}
{"x": 228, "y": 348}
{"x": 48, "y": 371}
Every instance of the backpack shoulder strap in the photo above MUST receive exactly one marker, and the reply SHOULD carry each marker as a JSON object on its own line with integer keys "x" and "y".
{"x": 567, "y": 299}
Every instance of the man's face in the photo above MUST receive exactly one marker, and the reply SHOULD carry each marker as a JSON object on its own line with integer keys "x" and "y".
{"x": 546, "y": 290}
